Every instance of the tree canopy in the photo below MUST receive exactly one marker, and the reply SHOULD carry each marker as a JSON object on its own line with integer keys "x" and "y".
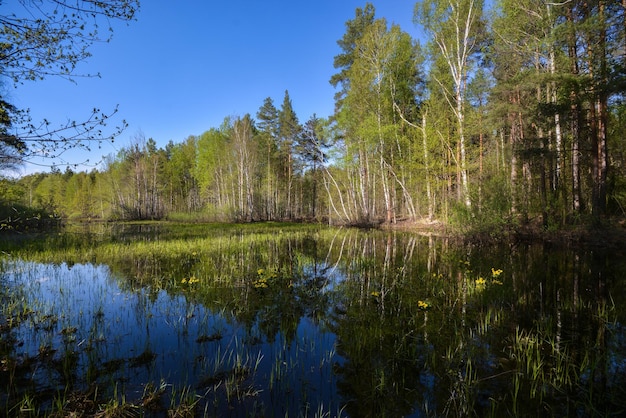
{"x": 507, "y": 116}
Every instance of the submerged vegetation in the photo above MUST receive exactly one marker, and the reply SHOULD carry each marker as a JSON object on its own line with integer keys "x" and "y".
{"x": 303, "y": 320}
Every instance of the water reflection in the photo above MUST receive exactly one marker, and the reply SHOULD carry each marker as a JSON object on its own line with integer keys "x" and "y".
{"x": 327, "y": 322}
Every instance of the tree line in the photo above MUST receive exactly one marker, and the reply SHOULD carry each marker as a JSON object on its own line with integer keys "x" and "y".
{"x": 503, "y": 115}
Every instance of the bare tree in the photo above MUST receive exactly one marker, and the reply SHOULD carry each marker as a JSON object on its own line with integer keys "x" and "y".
{"x": 42, "y": 38}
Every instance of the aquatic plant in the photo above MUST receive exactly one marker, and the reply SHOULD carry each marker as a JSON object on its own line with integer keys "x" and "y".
{"x": 301, "y": 323}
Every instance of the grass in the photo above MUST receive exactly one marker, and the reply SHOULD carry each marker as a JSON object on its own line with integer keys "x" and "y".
{"x": 272, "y": 319}
{"x": 207, "y": 259}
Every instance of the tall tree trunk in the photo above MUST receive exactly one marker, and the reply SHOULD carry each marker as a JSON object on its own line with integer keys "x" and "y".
{"x": 597, "y": 58}
{"x": 429, "y": 194}
{"x": 364, "y": 184}
{"x": 384, "y": 174}
{"x": 557, "y": 116}
{"x": 624, "y": 32}
{"x": 268, "y": 195}
{"x": 575, "y": 115}
{"x": 460, "y": 109}
{"x": 517, "y": 139}
{"x": 603, "y": 116}
{"x": 289, "y": 185}
{"x": 339, "y": 193}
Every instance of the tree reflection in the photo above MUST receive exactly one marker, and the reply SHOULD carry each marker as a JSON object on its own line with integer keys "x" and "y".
{"x": 382, "y": 323}
{"x": 379, "y": 332}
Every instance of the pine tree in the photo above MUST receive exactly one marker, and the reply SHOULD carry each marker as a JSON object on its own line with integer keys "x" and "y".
{"x": 268, "y": 125}
{"x": 288, "y": 130}
{"x": 355, "y": 29}
{"x": 310, "y": 148}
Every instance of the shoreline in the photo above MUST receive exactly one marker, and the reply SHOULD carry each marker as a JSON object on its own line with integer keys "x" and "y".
{"x": 609, "y": 235}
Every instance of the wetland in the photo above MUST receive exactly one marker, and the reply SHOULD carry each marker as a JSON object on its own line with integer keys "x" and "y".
{"x": 271, "y": 319}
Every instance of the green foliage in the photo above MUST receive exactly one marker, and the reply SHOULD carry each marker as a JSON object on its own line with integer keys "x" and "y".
{"x": 491, "y": 113}
{"x": 491, "y": 210}
{"x": 179, "y": 173}
{"x": 355, "y": 30}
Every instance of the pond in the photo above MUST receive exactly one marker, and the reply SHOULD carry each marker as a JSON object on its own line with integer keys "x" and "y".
{"x": 305, "y": 320}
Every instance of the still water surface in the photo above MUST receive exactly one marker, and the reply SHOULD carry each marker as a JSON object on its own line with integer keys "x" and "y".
{"x": 292, "y": 321}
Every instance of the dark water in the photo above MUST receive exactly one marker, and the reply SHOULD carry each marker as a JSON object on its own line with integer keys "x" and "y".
{"x": 289, "y": 321}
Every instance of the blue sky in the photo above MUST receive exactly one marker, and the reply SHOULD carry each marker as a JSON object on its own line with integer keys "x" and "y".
{"x": 185, "y": 65}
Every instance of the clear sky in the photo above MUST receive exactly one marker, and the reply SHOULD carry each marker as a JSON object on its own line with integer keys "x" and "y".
{"x": 185, "y": 65}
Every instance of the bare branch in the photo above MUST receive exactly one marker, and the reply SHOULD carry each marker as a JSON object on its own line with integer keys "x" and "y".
{"x": 44, "y": 38}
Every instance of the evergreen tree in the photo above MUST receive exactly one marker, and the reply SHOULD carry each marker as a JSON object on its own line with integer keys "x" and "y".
{"x": 288, "y": 130}
{"x": 355, "y": 29}
{"x": 310, "y": 149}
{"x": 268, "y": 125}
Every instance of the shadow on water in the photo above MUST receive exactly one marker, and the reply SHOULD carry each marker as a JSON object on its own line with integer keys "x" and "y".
{"x": 279, "y": 320}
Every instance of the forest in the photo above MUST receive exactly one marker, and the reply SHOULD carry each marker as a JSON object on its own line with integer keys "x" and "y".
{"x": 500, "y": 116}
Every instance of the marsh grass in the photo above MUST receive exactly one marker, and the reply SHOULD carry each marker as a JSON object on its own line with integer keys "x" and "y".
{"x": 230, "y": 372}
{"x": 184, "y": 403}
{"x": 294, "y": 320}
{"x": 70, "y": 337}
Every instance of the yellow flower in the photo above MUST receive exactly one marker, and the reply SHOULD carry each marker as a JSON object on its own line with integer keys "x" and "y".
{"x": 480, "y": 281}
{"x": 260, "y": 271}
{"x": 260, "y": 284}
{"x": 183, "y": 281}
{"x": 375, "y": 294}
{"x": 495, "y": 273}
{"x": 423, "y": 305}
{"x": 498, "y": 282}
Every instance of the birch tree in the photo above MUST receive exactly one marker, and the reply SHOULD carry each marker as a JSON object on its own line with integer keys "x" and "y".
{"x": 213, "y": 170}
{"x": 456, "y": 28}
{"x": 245, "y": 157}
{"x": 384, "y": 74}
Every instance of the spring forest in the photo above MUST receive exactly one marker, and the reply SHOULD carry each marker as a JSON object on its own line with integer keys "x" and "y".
{"x": 504, "y": 116}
